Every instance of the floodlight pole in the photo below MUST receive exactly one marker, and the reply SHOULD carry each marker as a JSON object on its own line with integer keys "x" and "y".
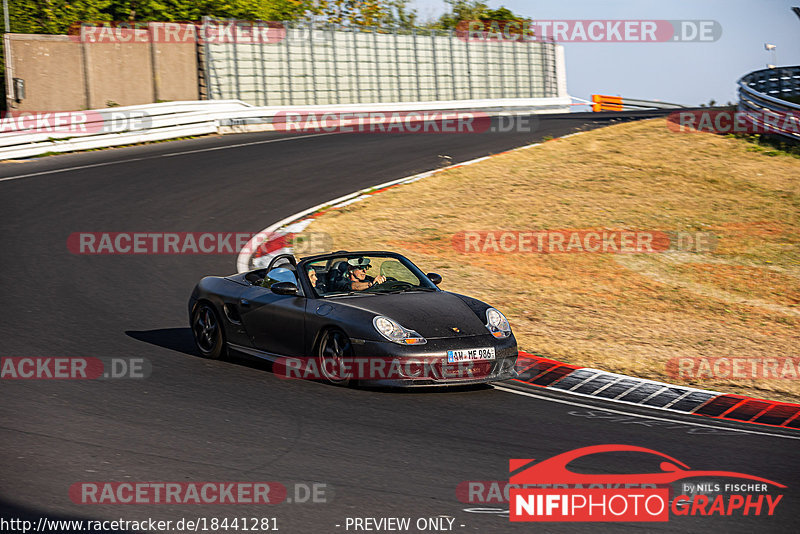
{"x": 771, "y": 48}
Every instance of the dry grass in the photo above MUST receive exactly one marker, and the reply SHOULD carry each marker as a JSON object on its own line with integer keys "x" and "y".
{"x": 624, "y": 313}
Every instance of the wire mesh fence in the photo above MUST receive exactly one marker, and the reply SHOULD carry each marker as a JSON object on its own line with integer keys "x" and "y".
{"x": 307, "y": 64}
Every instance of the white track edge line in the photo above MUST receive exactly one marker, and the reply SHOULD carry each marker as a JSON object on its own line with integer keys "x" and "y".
{"x": 676, "y": 421}
{"x": 156, "y": 156}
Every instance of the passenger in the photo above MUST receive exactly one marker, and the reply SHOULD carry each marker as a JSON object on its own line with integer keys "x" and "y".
{"x": 319, "y": 285}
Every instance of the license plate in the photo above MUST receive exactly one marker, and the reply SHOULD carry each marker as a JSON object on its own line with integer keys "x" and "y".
{"x": 468, "y": 355}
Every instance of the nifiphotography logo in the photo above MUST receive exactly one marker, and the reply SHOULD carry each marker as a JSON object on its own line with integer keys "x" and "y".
{"x": 549, "y": 491}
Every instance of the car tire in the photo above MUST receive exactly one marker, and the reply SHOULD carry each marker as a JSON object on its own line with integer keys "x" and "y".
{"x": 209, "y": 335}
{"x": 334, "y": 346}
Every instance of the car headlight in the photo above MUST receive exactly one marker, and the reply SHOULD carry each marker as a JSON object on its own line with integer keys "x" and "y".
{"x": 497, "y": 323}
{"x": 396, "y": 333}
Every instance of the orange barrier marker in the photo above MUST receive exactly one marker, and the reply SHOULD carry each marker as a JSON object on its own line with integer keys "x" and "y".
{"x": 606, "y": 103}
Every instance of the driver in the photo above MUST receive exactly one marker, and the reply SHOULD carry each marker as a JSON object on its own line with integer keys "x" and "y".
{"x": 357, "y": 274}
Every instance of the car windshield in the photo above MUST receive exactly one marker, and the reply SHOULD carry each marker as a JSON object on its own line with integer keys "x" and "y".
{"x": 371, "y": 274}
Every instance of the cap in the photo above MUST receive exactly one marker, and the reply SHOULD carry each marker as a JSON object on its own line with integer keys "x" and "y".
{"x": 358, "y": 263}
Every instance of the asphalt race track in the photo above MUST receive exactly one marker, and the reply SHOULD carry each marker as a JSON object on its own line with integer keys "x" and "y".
{"x": 379, "y": 453}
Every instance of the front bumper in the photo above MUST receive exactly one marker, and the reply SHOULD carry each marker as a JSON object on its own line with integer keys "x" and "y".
{"x": 426, "y": 365}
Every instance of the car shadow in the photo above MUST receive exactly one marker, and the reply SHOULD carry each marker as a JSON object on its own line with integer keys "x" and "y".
{"x": 177, "y": 339}
{"x": 182, "y": 340}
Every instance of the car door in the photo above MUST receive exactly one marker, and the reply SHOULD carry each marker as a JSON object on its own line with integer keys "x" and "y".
{"x": 235, "y": 332}
{"x": 274, "y": 323}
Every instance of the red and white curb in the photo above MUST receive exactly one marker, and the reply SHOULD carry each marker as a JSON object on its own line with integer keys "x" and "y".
{"x": 593, "y": 383}
{"x": 538, "y": 372}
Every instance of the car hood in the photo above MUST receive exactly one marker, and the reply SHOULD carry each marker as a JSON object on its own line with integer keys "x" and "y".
{"x": 432, "y": 314}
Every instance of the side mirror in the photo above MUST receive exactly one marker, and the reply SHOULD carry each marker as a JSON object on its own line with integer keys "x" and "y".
{"x": 435, "y": 278}
{"x": 284, "y": 288}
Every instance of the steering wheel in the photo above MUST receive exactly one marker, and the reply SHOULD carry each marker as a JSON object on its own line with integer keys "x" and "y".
{"x": 392, "y": 285}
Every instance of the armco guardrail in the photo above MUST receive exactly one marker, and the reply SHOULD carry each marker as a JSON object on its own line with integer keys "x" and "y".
{"x": 155, "y": 122}
{"x": 114, "y": 127}
{"x": 618, "y": 103}
{"x": 762, "y": 98}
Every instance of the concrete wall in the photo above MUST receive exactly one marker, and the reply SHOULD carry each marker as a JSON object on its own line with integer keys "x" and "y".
{"x": 174, "y": 67}
{"x": 118, "y": 74}
{"x": 64, "y": 73}
{"x": 52, "y": 67}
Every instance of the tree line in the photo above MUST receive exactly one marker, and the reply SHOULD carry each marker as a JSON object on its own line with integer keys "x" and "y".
{"x": 57, "y": 16}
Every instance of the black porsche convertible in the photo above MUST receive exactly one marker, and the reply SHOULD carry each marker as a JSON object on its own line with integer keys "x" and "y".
{"x": 345, "y": 316}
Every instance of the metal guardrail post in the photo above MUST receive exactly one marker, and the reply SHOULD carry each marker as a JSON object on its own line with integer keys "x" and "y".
{"x": 435, "y": 68}
{"x": 517, "y": 90}
{"x": 314, "y": 86}
{"x": 261, "y": 80}
{"x": 553, "y": 77}
{"x": 335, "y": 63}
{"x": 502, "y": 53}
{"x": 288, "y": 64}
{"x": 207, "y": 58}
{"x": 531, "y": 86}
{"x": 236, "y": 66}
{"x": 486, "y": 84}
{"x": 469, "y": 69}
{"x": 453, "y": 78}
{"x": 545, "y": 69}
{"x": 375, "y": 47}
{"x": 358, "y": 73}
{"x": 397, "y": 67}
{"x": 416, "y": 64}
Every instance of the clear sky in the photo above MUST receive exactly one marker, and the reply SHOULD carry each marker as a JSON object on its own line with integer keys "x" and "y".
{"x": 684, "y": 73}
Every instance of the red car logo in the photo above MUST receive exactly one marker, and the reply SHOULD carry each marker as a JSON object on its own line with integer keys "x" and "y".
{"x": 554, "y": 470}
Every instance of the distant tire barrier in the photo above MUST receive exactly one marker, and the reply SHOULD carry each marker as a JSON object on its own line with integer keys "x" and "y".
{"x": 763, "y": 98}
